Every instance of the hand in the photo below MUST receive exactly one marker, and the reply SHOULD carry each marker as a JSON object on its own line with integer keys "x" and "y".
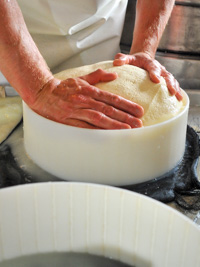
{"x": 154, "y": 68}
{"x": 78, "y": 103}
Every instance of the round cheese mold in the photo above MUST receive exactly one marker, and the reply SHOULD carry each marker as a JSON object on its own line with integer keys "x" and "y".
{"x": 113, "y": 157}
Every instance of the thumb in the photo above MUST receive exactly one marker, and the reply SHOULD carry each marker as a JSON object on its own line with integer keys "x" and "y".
{"x": 99, "y": 76}
{"x": 121, "y": 59}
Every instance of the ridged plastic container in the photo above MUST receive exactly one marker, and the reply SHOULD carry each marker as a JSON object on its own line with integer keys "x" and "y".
{"x": 102, "y": 220}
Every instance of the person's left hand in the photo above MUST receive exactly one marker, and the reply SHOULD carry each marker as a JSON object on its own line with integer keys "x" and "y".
{"x": 153, "y": 67}
{"x": 77, "y": 102}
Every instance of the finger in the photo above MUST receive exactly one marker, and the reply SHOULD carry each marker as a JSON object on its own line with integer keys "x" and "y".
{"x": 113, "y": 100}
{"x": 119, "y": 115}
{"x": 170, "y": 83}
{"x": 98, "y": 119}
{"x": 80, "y": 102}
{"x": 154, "y": 69}
{"x": 178, "y": 94}
{"x": 80, "y": 124}
{"x": 99, "y": 76}
{"x": 121, "y": 59}
{"x": 154, "y": 76}
{"x": 121, "y": 104}
{"x": 84, "y": 89}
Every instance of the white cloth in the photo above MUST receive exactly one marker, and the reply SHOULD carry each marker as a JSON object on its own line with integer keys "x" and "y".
{"x": 71, "y": 33}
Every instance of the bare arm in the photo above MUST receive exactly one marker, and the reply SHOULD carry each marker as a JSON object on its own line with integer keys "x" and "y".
{"x": 21, "y": 62}
{"x": 151, "y": 19}
{"x": 73, "y": 101}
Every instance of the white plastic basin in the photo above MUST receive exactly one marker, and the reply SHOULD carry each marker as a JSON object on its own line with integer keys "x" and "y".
{"x": 96, "y": 219}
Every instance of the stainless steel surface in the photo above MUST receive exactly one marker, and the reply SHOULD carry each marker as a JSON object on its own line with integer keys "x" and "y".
{"x": 10, "y": 91}
{"x": 189, "y": 2}
{"x": 185, "y": 69}
{"x": 182, "y": 33}
{"x": 3, "y": 80}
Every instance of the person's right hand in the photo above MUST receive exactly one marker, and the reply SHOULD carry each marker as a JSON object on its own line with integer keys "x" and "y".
{"x": 77, "y": 102}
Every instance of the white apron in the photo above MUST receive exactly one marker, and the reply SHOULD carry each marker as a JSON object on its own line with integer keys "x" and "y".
{"x": 71, "y": 33}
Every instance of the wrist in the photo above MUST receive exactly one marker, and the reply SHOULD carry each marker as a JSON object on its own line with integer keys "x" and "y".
{"x": 143, "y": 53}
{"x": 147, "y": 47}
{"x": 45, "y": 90}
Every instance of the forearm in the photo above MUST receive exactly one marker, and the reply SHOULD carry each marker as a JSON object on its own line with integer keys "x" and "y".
{"x": 151, "y": 19}
{"x": 20, "y": 60}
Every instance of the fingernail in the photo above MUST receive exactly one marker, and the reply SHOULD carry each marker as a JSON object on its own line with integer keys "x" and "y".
{"x": 119, "y": 61}
{"x": 157, "y": 76}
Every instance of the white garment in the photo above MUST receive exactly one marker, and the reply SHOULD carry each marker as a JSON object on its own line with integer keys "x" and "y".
{"x": 71, "y": 33}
